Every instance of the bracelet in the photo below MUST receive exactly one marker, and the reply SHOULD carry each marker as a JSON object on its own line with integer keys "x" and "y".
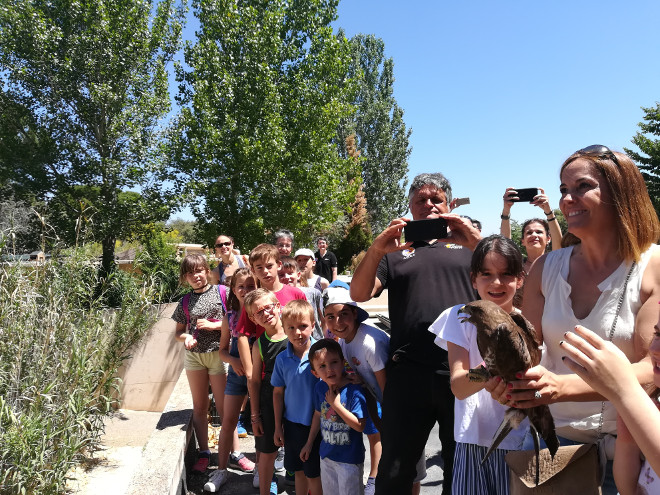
{"x": 551, "y": 219}
{"x": 256, "y": 421}
{"x": 548, "y": 213}
{"x": 505, "y": 217}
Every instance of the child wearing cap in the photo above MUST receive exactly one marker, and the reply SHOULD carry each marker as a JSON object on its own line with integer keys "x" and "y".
{"x": 366, "y": 350}
{"x": 306, "y": 261}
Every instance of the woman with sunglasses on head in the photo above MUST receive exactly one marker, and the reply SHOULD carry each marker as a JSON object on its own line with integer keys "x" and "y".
{"x": 536, "y": 232}
{"x": 608, "y": 282}
{"x": 229, "y": 260}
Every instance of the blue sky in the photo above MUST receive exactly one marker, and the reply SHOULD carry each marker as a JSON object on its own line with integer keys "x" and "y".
{"x": 499, "y": 93}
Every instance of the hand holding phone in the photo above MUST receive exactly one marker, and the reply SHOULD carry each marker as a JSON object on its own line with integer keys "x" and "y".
{"x": 526, "y": 194}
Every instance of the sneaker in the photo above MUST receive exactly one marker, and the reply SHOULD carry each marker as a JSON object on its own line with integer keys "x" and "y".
{"x": 240, "y": 429}
{"x": 289, "y": 478}
{"x": 255, "y": 480}
{"x": 370, "y": 487}
{"x": 239, "y": 461}
{"x": 279, "y": 461}
{"x": 202, "y": 462}
{"x": 273, "y": 486}
{"x": 217, "y": 479}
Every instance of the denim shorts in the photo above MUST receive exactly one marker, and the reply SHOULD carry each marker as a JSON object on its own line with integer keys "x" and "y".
{"x": 236, "y": 385}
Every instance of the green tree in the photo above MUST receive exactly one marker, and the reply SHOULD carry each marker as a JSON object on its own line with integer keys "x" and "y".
{"x": 186, "y": 229}
{"x": 85, "y": 89}
{"x": 261, "y": 104}
{"x": 382, "y": 136}
{"x": 648, "y": 159}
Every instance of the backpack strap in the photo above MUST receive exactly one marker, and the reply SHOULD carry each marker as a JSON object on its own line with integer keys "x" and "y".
{"x": 222, "y": 290}
{"x": 184, "y": 303}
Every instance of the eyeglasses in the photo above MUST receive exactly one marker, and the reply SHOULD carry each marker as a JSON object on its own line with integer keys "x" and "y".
{"x": 223, "y": 244}
{"x": 269, "y": 308}
{"x": 599, "y": 151}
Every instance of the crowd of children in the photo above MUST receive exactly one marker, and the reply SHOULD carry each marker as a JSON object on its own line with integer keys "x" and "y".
{"x": 315, "y": 373}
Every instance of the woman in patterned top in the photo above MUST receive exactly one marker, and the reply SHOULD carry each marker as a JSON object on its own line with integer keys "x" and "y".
{"x": 198, "y": 320}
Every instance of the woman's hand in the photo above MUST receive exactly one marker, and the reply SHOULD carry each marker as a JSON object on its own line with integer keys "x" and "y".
{"x": 523, "y": 391}
{"x": 541, "y": 200}
{"x": 507, "y": 200}
{"x": 599, "y": 363}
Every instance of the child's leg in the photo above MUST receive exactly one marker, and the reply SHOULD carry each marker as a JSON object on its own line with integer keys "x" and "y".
{"x": 314, "y": 485}
{"x": 375, "y": 450}
{"x": 199, "y": 387}
{"x": 218, "y": 385}
{"x": 232, "y": 409}
{"x": 301, "y": 482}
{"x": 266, "y": 470}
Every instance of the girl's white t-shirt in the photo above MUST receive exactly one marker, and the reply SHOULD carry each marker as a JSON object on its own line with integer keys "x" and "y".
{"x": 477, "y": 417}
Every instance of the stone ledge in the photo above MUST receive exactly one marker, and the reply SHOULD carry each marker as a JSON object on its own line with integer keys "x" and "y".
{"x": 162, "y": 468}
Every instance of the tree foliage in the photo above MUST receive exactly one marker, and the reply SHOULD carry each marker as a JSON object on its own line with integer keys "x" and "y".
{"x": 261, "y": 103}
{"x": 382, "y": 136}
{"x": 648, "y": 159}
{"x": 85, "y": 88}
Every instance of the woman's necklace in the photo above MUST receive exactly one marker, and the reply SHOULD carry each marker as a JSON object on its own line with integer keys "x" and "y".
{"x": 231, "y": 261}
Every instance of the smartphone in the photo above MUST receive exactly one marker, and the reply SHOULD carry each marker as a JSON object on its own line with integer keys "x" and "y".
{"x": 526, "y": 194}
{"x": 461, "y": 201}
{"x": 425, "y": 230}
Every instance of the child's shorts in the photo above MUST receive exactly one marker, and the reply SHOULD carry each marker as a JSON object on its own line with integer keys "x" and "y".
{"x": 265, "y": 443}
{"x": 236, "y": 385}
{"x": 210, "y": 361}
{"x": 295, "y": 438}
{"x": 342, "y": 478}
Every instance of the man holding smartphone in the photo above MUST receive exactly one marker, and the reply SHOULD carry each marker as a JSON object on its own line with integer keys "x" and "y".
{"x": 423, "y": 279}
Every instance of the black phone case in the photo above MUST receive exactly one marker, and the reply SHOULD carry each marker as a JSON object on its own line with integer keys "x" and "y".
{"x": 526, "y": 194}
{"x": 424, "y": 230}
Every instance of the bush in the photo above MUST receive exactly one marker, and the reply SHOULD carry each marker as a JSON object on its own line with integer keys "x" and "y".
{"x": 60, "y": 349}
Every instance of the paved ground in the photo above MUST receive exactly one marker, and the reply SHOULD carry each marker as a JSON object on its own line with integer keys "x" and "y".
{"x": 241, "y": 483}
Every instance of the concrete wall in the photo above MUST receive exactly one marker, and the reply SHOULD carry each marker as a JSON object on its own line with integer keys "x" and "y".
{"x": 149, "y": 376}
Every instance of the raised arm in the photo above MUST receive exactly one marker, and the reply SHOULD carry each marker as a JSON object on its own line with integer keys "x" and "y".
{"x": 541, "y": 200}
{"x": 505, "y": 226}
{"x": 365, "y": 283}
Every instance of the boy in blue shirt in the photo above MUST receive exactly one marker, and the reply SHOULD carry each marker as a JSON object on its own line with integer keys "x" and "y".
{"x": 340, "y": 412}
{"x": 293, "y": 384}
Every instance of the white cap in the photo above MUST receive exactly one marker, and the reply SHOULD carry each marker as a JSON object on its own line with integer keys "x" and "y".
{"x": 339, "y": 295}
{"x": 304, "y": 252}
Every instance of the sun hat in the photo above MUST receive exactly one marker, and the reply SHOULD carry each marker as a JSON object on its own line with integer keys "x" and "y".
{"x": 339, "y": 295}
{"x": 304, "y": 252}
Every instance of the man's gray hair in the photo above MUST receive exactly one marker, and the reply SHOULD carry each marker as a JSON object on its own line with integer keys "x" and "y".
{"x": 284, "y": 233}
{"x": 437, "y": 180}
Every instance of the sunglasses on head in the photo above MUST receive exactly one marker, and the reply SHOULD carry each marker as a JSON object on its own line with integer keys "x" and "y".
{"x": 223, "y": 244}
{"x": 599, "y": 151}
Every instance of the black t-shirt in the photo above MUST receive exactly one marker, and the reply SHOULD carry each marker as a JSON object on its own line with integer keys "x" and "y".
{"x": 422, "y": 282}
{"x": 324, "y": 264}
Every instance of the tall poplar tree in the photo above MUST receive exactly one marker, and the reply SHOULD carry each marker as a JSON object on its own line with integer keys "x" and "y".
{"x": 382, "y": 136}
{"x": 84, "y": 92}
{"x": 262, "y": 96}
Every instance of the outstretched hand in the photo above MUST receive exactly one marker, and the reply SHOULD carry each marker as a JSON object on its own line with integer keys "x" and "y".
{"x": 462, "y": 231}
{"x": 599, "y": 363}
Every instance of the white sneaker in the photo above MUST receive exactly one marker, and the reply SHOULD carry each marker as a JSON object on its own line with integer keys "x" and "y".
{"x": 255, "y": 480}
{"x": 216, "y": 480}
{"x": 279, "y": 461}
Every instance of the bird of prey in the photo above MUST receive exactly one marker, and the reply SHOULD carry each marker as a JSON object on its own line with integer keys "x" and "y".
{"x": 508, "y": 345}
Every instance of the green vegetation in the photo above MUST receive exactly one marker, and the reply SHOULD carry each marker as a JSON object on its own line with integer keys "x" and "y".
{"x": 60, "y": 349}
{"x": 648, "y": 159}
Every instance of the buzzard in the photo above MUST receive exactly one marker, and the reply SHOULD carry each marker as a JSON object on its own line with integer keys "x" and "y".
{"x": 508, "y": 345}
